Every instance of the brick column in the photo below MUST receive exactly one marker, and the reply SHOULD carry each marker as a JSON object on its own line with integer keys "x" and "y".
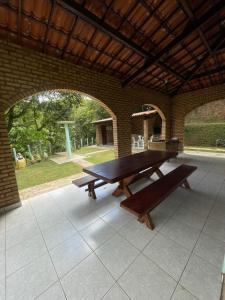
{"x": 8, "y": 186}
{"x": 98, "y": 135}
{"x": 122, "y": 135}
{"x": 146, "y": 133}
{"x": 178, "y": 130}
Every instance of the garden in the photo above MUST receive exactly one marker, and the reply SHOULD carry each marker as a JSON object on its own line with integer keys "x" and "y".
{"x": 37, "y": 138}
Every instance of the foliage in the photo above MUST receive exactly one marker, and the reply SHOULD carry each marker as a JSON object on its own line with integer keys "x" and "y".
{"x": 83, "y": 115}
{"x": 33, "y": 121}
{"x": 203, "y": 134}
{"x": 43, "y": 172}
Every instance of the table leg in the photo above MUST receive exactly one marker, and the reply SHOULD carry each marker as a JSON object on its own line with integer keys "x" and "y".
{"x": 123, "y": 188}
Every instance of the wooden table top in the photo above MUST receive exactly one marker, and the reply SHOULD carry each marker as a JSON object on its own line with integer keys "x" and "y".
{"x": 118, "y": 169}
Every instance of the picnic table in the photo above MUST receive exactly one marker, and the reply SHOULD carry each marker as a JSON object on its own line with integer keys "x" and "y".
{"x": 130, "y": 168}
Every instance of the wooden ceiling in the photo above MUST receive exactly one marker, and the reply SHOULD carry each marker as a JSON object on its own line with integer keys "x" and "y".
{"x": 172, "y": 46}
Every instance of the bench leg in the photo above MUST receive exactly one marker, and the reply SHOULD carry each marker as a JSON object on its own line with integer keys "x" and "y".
{"x": 147, "y": 220}
{"x": 186, "y": 184}
{"x": 91, "y": 191}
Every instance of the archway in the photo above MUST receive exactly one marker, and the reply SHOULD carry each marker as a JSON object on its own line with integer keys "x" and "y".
{"x": 148, "y": 127}
{"x": 204, "y": 128}
{"x": 32, "y": 161}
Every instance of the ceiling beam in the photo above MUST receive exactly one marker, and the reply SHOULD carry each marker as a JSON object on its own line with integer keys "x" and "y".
{"x": 19, "y": 21}
{"x": 48, "y": 25}
{"x": 89, "y": 17}
{"x": 208, "y": 73}
{"x": 187, "y": 9}
{"x": 215, "y": 46}
{"x": 190, "y": 27}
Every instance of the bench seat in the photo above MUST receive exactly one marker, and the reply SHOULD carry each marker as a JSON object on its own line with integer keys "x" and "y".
{"x": 90, "y": 181}
{"x": 141, "y": 203}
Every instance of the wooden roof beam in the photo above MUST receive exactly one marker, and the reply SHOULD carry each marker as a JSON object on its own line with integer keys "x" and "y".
{"x": 187, "y": 9}
{"x": 48, "y": 25}
{"x": 191, "y": 27}
{"x": 89, "y": 17}
{"x": 208, "y": 73}
{"x": 219, "y": 41}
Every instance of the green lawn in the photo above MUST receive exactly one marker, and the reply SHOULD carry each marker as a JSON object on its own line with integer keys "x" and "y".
{"x": 205, "y": 149}
{"x": 101, "y": 157}
{"x": 44, "y": 171}
{"x": 86, "y": 150}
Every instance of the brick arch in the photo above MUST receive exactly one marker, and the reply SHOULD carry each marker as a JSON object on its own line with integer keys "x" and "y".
{"x": 57, "y": 87}
{"x": 182, "y": 104}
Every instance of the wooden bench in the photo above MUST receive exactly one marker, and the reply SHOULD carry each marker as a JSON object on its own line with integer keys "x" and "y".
{"x": 91, "y": 182}
{"x": 141, "y": 203}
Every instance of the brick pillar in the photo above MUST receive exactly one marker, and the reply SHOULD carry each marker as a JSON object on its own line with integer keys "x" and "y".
{"x": 8, "y": 186}
{"x": 178, "y": 130}
{"x": 122, "y": 135}
{"x": 146, "y": 133}
{"x": 98, "y": 134}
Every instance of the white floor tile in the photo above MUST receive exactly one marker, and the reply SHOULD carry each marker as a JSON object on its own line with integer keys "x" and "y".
{"x": 83, "y": 220}
{"x": 50, "y": 219}
{"x": 190, "y": 218}
{"x": 183, "y": 234}
{"x": 68, "y": 254}
{"x": 210, "y": 249}
{"x": 97, "y": 233}
{"x": 116, "y": 255}
{"x": 215, "y": 229}
{"x": 218, "y": 212}
{"x": 19, "y": 216}
{"x": 2, "y": 265}
{"x": 2, "y": 289}
{"x": 167, "y": 254}
{"x": 89, "y": 280}
{"x": 202, "y": 279}
{"x": 55, "y": 292}
{"x": 21, "y": 233}
{"x": 24, "y": 253}
{"x": 116, "y": 293}
{"x": 117, "y": 218}
{"x": 32, "y": 280}
{"x": 2, "y": 241}
{"x": 144, "y": 280}
{"x": 137, "y": 234}
{"x": 182, "y": 294}
{"x": 58, "y": 233}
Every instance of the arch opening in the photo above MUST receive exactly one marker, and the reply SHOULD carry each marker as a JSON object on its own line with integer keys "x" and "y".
{"x": 204, "y": 128}
{"x": 43, "y": 149}
{"x": 148, "y": 128}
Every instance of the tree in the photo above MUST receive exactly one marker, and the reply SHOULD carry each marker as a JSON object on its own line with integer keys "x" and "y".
{"x": 83, "y": 115}
{"x": 33, "y": 121}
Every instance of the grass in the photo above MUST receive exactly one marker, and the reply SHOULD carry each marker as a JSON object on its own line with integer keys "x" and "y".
{"x": 43, "y": 172}
{"x": 90, "y": 149}
{"x": 205, "y": 149}
{"x": 101, "y": 157}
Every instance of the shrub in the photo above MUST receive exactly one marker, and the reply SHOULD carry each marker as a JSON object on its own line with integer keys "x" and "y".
{"x": 203, "y": 134}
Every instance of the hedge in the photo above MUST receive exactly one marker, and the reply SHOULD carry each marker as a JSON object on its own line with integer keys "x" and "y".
{"x": 203, "y": 134}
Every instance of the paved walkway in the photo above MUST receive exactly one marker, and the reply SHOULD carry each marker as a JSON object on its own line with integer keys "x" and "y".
{"x": 48, "y": 186}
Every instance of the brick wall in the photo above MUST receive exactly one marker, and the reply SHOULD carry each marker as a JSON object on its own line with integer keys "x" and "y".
{"x": 25, "y": 72}
{"x": 8, "y": 186}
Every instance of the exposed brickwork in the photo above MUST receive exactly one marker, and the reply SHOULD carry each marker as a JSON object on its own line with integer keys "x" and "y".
{"x": 184, "y": 103}
{"x": 8, "y": 186}
{"x": 24, "y": 72}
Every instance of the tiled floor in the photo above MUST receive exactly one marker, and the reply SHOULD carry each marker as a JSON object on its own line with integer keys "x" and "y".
{"x": 62, "y": 245}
